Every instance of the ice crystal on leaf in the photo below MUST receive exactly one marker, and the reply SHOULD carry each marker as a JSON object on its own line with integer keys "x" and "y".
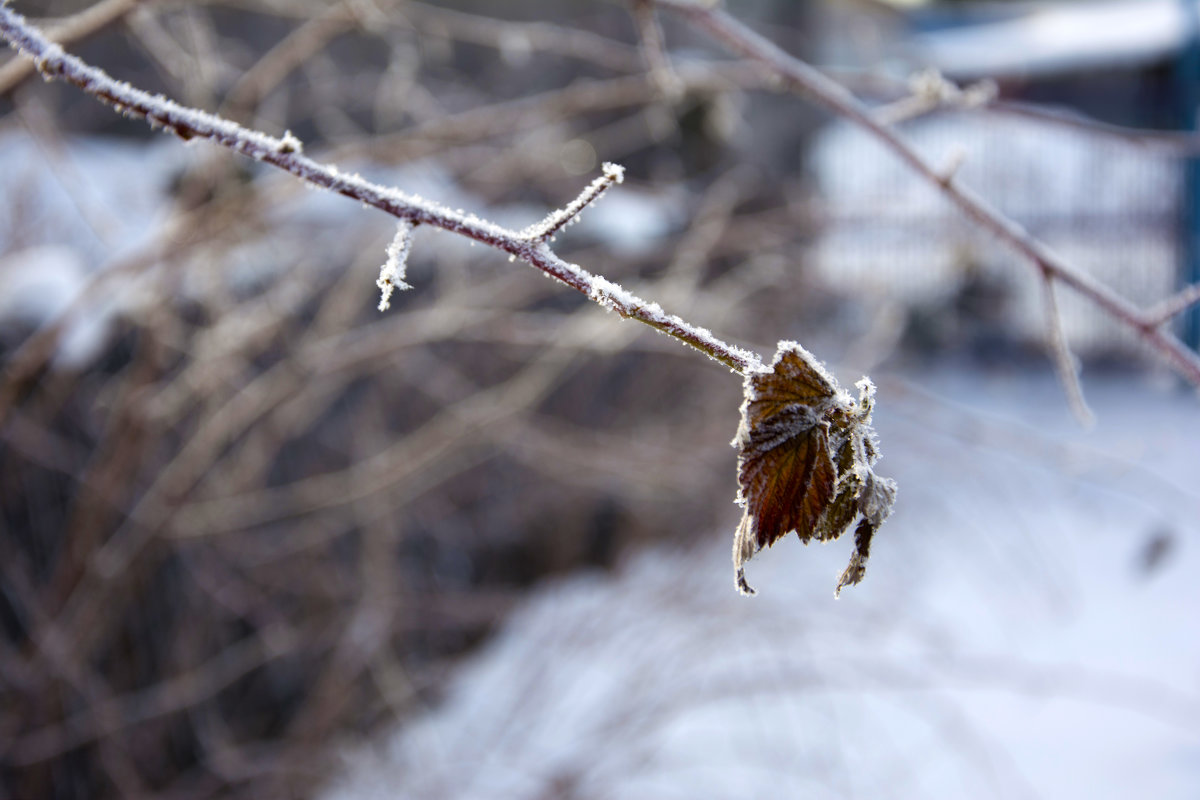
{"x": 806, "y": 450}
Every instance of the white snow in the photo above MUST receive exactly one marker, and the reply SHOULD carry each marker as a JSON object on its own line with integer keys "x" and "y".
{"x": 38, "y": 284}
{"x": 1059, "y": 37}
{"x": 1005, "y": 643}
{"x": 104, "y": 198}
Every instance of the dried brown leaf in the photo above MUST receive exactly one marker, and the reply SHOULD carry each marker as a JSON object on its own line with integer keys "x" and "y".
{"x": 805, "y": 455}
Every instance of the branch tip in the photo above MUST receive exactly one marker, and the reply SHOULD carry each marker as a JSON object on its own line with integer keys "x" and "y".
{"x": 1065, "y": 362}
{"x": 569, "y": 214}
{"x": 1173, "y": 306}
{"x": 391, "y": 274}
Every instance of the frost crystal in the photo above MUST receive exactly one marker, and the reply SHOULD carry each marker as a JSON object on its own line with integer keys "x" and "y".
{"x": 391, "y": 275}
{"x": 614, "y": 172}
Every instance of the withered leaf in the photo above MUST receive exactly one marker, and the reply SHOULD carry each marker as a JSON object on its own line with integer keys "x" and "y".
{"x": 805, "y": 455}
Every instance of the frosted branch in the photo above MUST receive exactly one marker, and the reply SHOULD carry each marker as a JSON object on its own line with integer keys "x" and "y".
{"x": 1174, "y": 305}
{"x": 801, "y": 78}
{"x": 569, "y": 214}
{"x": 392, "y": 273}
{"x": 285, "y": 153}
{"x": 68, "y": 31}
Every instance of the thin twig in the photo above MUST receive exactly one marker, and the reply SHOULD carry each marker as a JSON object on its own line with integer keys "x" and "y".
{"x": 654, "y": 50}
{"x": 1174, "y": 305}
{"x": 278, "y": 62}
{"x": 392, "y": 274}
{"x": 1179, "y": 143}
{"x": 1065, "y": 362}
{"x": 804, "y": 79}
{"x": 189, "y": 123}
{"x": 569, "y": 214}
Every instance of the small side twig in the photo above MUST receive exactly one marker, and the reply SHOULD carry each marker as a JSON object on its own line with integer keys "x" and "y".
{"x": 1065, "y": 362}
{"x": 1173, "y": 306}
{"x": 931, "y": 91}
{"x": 392, "y": 273}
{"x": 954, "y": 162}
{"x": 569, "y": 214}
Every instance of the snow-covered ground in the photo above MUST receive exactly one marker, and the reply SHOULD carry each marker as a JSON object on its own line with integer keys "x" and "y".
{"x": 1029, "y": 627}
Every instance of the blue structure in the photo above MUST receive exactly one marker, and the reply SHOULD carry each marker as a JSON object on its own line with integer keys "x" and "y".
{"x": 1189, "y": 95}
